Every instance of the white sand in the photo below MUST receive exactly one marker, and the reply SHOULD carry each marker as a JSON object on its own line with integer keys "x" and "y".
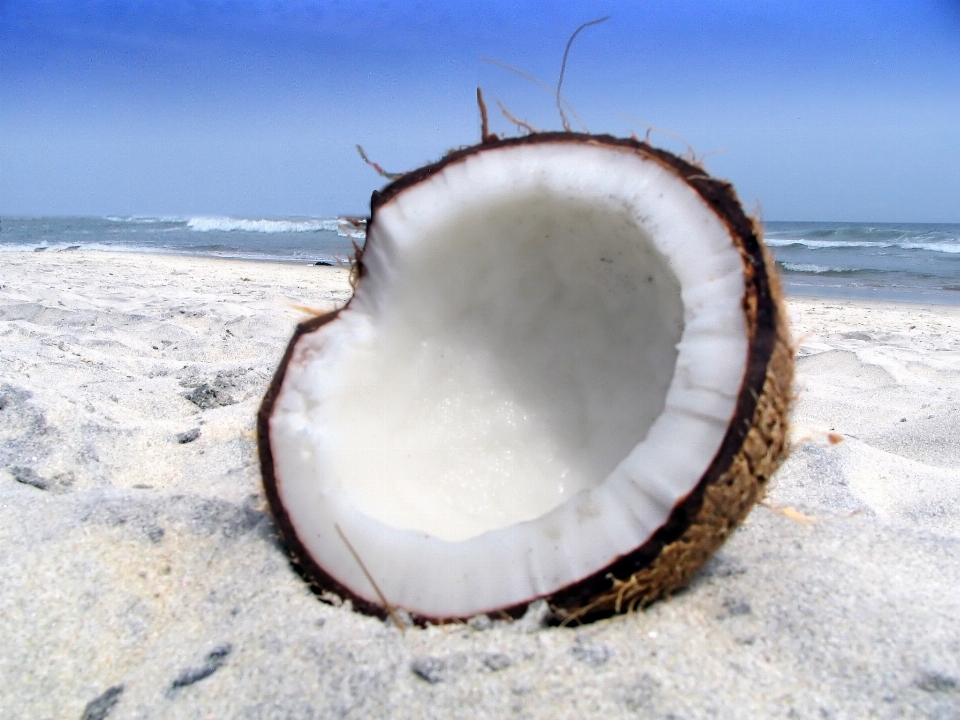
{"x": 134, "y": 562}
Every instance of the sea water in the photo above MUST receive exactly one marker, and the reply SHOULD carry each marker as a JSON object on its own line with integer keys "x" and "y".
{"x": 306, "y": 240}
{"x": 910, "y": 262}
{"x": 884, "y": 261}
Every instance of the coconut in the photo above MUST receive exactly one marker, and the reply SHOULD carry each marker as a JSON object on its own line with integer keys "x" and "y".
{"x": 564, "y": 373}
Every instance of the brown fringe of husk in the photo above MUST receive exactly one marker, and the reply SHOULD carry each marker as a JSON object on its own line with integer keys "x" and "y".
{"x": 726, "y": 502}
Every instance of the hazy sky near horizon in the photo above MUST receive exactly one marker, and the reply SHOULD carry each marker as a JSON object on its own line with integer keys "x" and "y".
{"x": 820, "y": 110}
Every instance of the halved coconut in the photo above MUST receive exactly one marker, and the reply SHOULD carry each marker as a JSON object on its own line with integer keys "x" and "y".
{"x": 564, "y": 374}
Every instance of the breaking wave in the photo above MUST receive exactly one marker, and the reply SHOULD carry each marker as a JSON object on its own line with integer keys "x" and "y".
{"x": 229, "y": 224}
{"x": 818, "y": 269}
{"x": 942, "y": 247}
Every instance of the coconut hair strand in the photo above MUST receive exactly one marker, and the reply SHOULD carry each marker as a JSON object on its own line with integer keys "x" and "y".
{"x": 563, "y": 67}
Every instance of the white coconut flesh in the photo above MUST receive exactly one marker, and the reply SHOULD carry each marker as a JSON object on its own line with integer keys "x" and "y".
{"x": 539, "y": 363}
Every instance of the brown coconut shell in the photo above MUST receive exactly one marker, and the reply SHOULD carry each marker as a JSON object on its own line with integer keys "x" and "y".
{"x": 754, "y": 445}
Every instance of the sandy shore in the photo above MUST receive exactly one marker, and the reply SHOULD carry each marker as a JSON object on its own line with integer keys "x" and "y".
{"x": 141, "y": 578}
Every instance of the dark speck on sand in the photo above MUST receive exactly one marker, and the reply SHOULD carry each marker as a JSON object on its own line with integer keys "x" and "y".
{"x": 101, "y": 706}
{"x": 213, "y": 662}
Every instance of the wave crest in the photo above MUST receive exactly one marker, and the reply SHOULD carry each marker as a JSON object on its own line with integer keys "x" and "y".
{"x": 229, "y": 224}
{"x": 940, "y": 247}
{"x": 823, "y": 269}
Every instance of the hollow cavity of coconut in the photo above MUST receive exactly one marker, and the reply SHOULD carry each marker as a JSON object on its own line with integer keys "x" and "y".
{"x": 564, "y": 374}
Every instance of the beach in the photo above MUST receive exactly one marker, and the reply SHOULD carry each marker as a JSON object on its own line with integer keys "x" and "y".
{"x": 142, "y": 575}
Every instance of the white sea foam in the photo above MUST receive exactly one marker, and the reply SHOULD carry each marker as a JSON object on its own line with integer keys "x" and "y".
{"x": 942, "y": 247}
{"x": 228, "y": 224}
{"x": 805, "y": 267}
{"x": 947, "y": 247}
{"x": 817, "y": 244}
{"x": 227, "y": 253}
{"x": 134, "y": 220}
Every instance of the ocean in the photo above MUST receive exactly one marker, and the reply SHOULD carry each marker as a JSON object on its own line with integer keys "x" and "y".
{"x": 306, "y": 240}
{"x": 906, "y": 262}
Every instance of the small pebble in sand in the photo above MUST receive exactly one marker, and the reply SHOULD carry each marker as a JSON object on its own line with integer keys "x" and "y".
{"x": 497, "y": 661}
{"x": 213, "y": 662}
{"x": 188, "y": 436}
{"x": 428, "y": 668}
{"x": 27, "y": 476}
{"x": 207, "y": 397}
{"x": 937, "y": 682}
{"x": 59, "y": 483}
{"x": 100, "y": 707}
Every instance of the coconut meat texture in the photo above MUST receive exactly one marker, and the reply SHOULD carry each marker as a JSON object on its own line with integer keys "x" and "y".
{"x": 542, "y": 357}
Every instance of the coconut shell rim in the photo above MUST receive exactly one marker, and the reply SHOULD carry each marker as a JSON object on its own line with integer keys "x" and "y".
{"x": 766, "y": 329}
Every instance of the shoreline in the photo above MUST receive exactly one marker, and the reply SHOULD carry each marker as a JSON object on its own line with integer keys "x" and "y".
{"x": 858, "y": 296}
{"x": 944, "y": 300}
{"x": 149, "y": 252}
{"x": 143, "y": 572}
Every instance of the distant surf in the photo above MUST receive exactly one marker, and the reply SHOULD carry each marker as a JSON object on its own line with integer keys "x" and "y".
{"x": 229, "y": 224}
{"x": 293, "y": 239}
{"x": 917, "y": 262}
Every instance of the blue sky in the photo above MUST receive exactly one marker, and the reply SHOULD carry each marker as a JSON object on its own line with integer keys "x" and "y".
{"x": 820, "y": 110}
